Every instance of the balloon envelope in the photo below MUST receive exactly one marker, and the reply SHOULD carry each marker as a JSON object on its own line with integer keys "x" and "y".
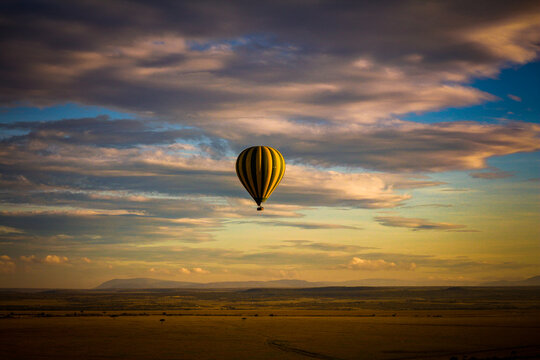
{"x": 260, "y": 169}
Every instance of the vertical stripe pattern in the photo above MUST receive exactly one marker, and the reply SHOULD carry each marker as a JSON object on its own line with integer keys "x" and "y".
{"x": 260, "y": 169}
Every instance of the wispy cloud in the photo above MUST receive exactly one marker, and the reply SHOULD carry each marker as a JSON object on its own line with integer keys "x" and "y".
{"x": 10, "y": 230}
{"x": 320, "y": 246}
{"x": 302, "y": 225}
{"x": 416, "y": 224}
{"x": 490, "y": 175}
{"x": 514, "y": 97}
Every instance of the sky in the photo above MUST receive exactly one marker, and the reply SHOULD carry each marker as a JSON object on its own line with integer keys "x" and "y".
{"x": 411, "y": 132}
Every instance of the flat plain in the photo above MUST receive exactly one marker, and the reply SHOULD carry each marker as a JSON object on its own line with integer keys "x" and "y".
{"x": 320, "y": 323}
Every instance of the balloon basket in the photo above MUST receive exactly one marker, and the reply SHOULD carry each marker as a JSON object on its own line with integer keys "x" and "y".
{"x": 260, "y": 208}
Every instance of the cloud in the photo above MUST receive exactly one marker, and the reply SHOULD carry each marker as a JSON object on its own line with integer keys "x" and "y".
{"x": 283, "y": 273}
{"x": 514, "y": 97}
{"x": 98, "y": 230}
{"x": 199, "y": 270}
{"x": 411, "y": 147}
{"x": 74, "y": 212}
{"x": 427, "y": 205}
{"x": 86, "y": 260}
{"x": 233, "y": 78}
{"x": 159, "y": 271}
{"x": 204, "y": 222}
{"x": 416, "y": 224}
{"x": 201, "y": 60}
{"x": 193, "y": 271}
{"x": 83, "y": 180}
{"x": 400, "y": 146}
{"x": 490, "y": 175}
{"x": 311, "y": 186}
{"x": 7, "y": 266}
{"x": 49, "y": 259}
{"x": 442, "y": 264}
{"x": 30, "y": 259}
{"x": 100, "y": 131}
{"x": 55, "y": 259}
{"x": 184, "y": 271}
{"x": 320, "y": 246}
{"x": 379, "y": 264}
{"x": 302, "y": 225}
{"x": 456, "y": 189}
{"x": 10, "y": 230}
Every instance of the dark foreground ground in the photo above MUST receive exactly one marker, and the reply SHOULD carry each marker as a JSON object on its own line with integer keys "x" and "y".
{"x": 330, "y": 323}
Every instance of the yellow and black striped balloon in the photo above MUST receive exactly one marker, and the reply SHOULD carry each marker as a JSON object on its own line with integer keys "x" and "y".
{"x": 260, "y": 169}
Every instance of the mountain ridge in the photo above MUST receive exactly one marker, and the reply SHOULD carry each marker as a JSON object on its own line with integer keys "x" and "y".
{"x": 149, "y": 283}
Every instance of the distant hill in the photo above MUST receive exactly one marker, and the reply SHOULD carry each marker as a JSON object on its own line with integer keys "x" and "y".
{"x": 532, "y": 281}
{"x": 143, "y": 283}
{"x": 147, "y": 283}
{"x": 535, "y": 280}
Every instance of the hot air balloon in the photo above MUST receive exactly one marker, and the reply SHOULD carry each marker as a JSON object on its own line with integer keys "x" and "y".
{"x": 260, "y": 169}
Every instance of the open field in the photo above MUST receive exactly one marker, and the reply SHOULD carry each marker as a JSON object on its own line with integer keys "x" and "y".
{"x": 331, "y": 323}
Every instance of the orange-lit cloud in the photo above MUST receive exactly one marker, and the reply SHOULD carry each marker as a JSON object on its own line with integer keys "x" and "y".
{"x": 7, "y": 265}
{"x": 367, "y": 264}
{"x": 48, "y": 259}
{"x": 10, "y": 230}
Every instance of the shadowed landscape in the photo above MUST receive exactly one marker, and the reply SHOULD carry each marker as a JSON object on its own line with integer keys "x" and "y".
{"x": 271, "y": 323}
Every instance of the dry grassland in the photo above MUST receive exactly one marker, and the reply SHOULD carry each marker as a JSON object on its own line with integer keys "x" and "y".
{"x": 271, "y": 324}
